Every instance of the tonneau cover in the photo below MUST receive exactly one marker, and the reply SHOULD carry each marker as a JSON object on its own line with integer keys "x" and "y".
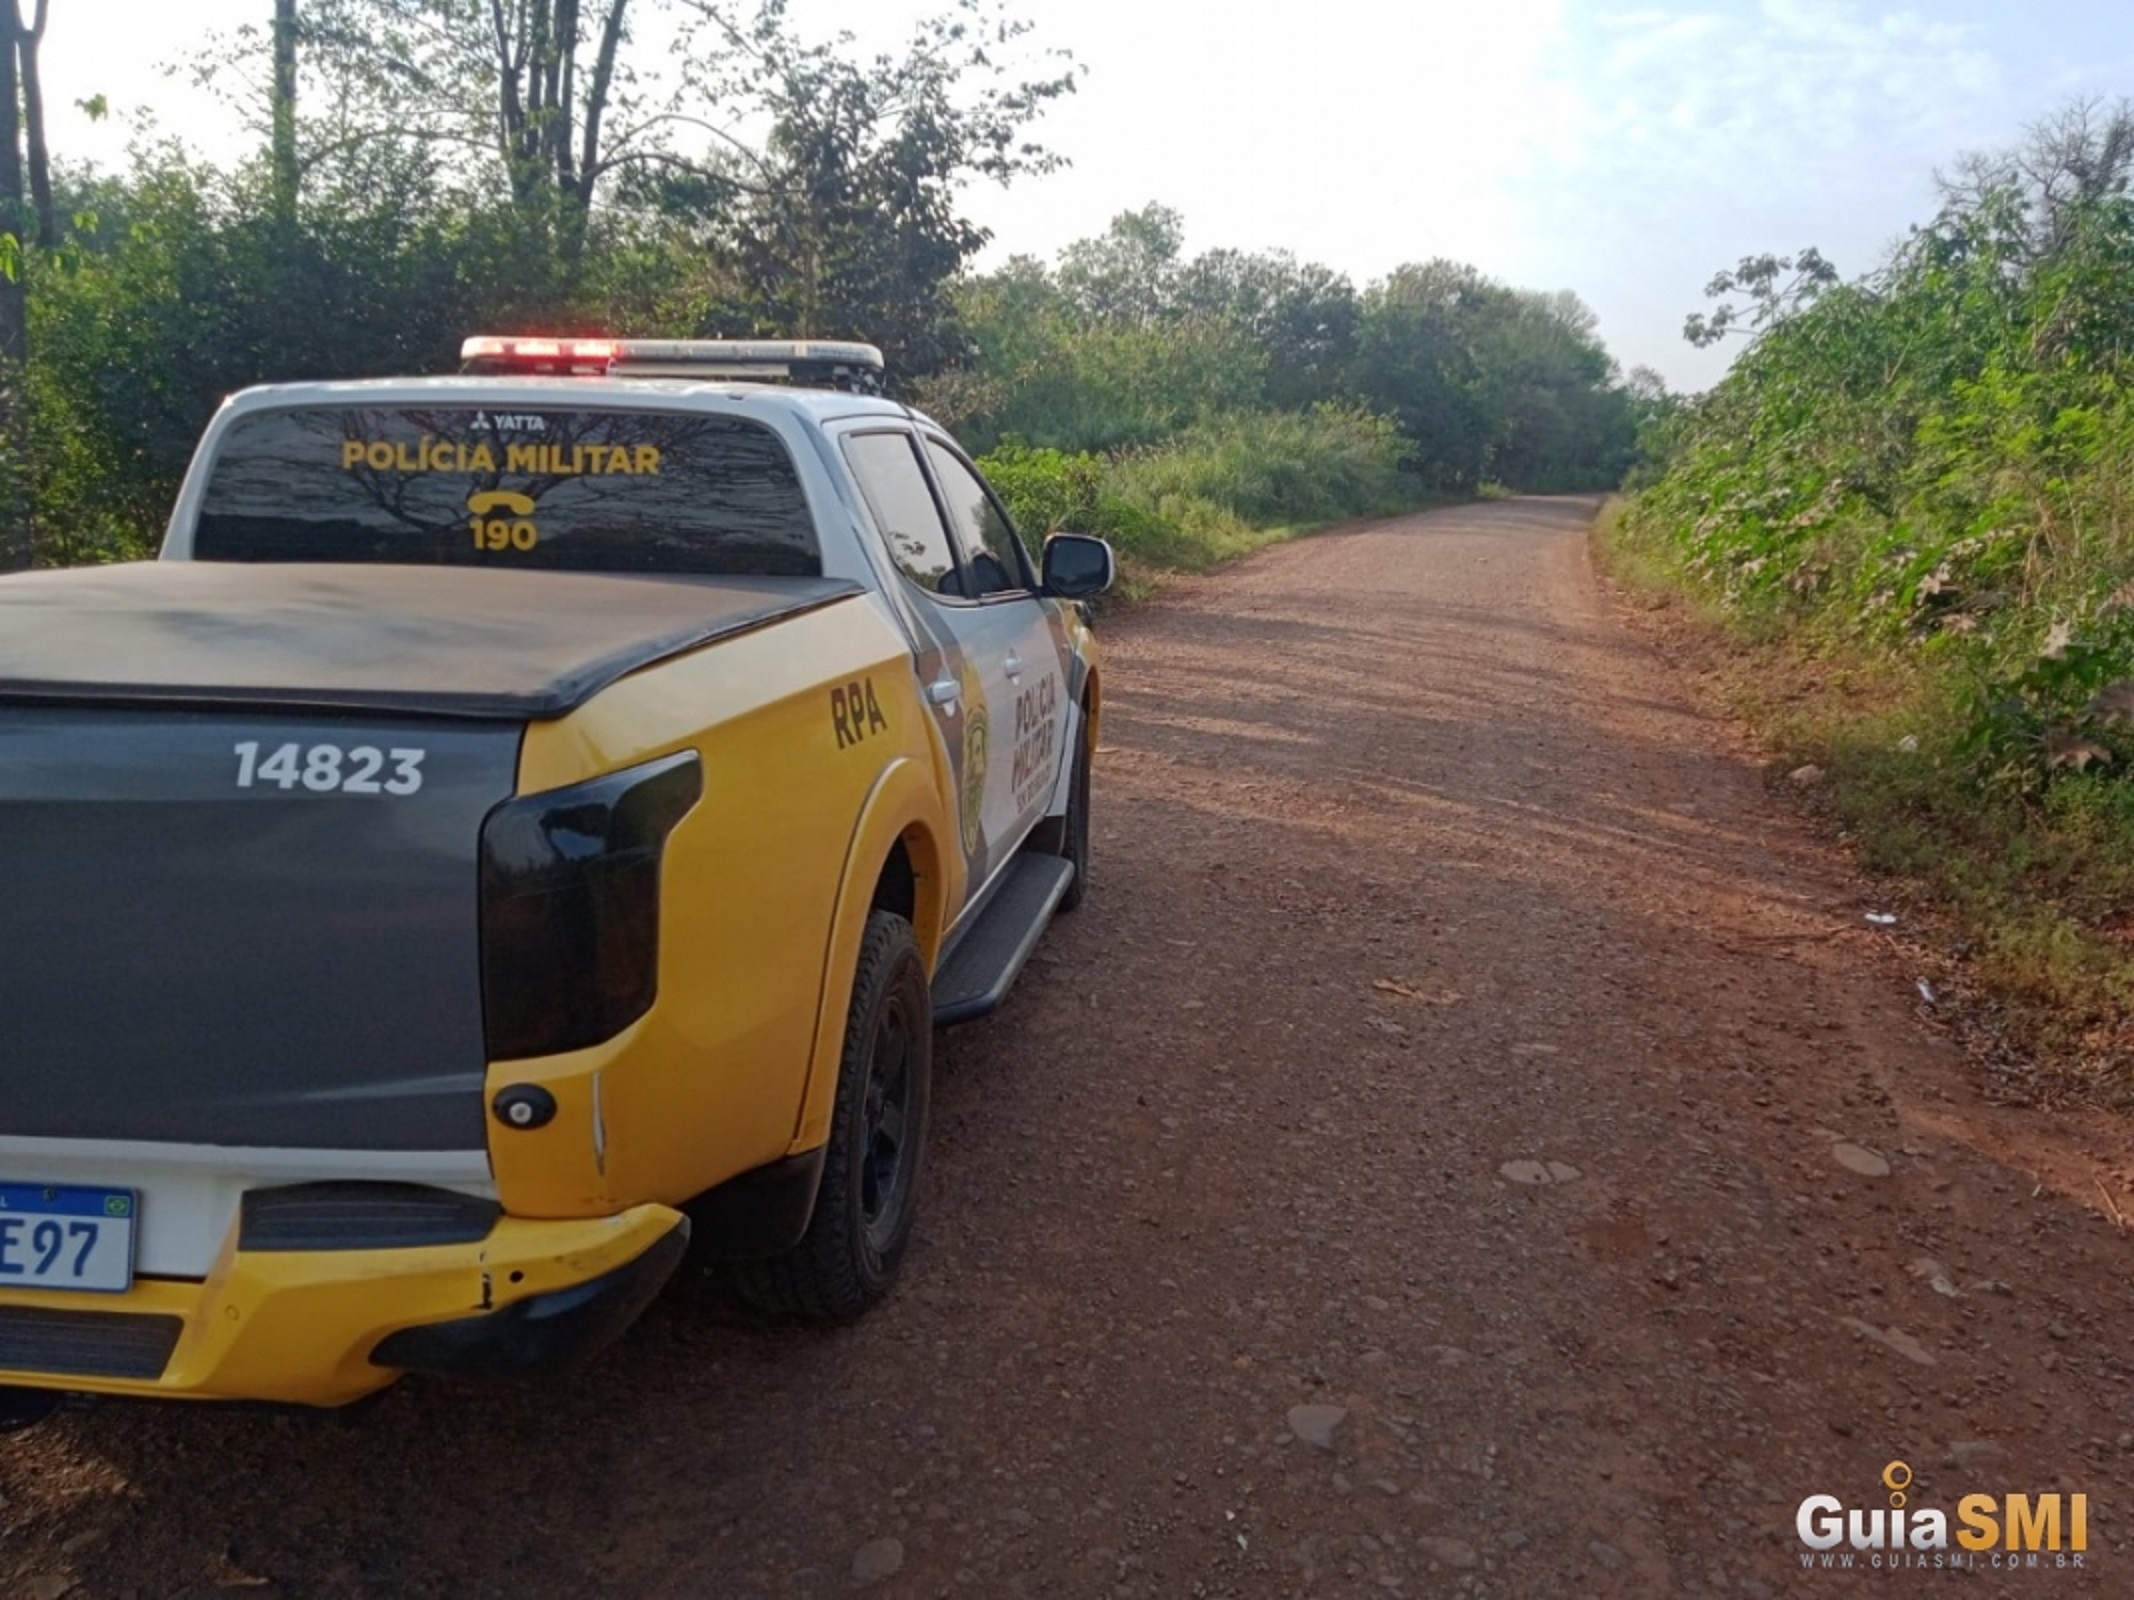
{"x": 440, "y": 641}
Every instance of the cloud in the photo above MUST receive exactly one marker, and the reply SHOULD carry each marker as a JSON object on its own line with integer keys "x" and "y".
{"x": 1682, "y": 136}
{"x": 1792, "y": 96}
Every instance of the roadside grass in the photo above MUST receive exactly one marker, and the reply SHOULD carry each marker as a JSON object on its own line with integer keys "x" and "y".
{"x": 2036, "y": 888}
{"x": 1214, "y": 492}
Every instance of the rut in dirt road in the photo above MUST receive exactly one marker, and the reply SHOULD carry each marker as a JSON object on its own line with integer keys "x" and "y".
{"x": 1448, "y": 1066}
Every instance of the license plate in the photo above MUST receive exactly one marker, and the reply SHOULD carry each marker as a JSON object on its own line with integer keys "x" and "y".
{"x": 54, "y": 1236}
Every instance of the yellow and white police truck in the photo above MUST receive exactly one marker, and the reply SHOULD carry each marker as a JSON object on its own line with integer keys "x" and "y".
{"x": 520, "y": 817}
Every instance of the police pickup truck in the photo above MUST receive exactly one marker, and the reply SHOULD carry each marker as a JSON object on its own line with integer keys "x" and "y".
{"x": 522, "y": 815}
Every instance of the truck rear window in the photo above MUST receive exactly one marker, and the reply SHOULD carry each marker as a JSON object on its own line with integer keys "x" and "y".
{"x": 581, "y": 491}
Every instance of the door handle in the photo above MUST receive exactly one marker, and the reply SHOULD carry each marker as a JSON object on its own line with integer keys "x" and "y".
{"x": 1013, "y": 665}
{"x": 944, "y": 691}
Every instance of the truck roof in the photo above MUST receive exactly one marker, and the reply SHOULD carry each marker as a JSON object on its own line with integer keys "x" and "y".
{"x": 734, "y": 397}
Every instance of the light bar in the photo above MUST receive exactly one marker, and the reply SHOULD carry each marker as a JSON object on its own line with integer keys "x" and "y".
{"x": 575, "y": 355}
{"x": 838, "y": 362}
{"x": 749, "y": 353}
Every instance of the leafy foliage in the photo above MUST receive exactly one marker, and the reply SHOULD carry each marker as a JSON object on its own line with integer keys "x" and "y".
{"x": 1922, "y": 476}
{"x": 178, "y": 286}
{"x": 1125, "y": 342}
{"x": 1493, "y": 383}
{"x": 1276, "y": 467}
{"x": 429, "y": 167}
{"x": 846, "y": 220}
{"x": 1204, "y": 493}
{"x": 1931, "y": 460}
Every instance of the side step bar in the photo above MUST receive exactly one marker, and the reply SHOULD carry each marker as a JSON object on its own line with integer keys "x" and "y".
{"x": 974, "y": 979}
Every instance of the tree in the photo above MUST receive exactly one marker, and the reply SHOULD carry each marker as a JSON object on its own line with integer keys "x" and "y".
{"x": 1294, "y": 323}
{"x": 1100, "y": 354}
{"x": 1415, "y": 361}
{"x": 24, "y": 217}
{"x": 1559, "y": 419}
{"x": 1777, "y": 287}
{"x": 288, "y": 176}
{"x": 846, "y": 220}
{"x": 828, "y": 183}
{"x": 1303, "y": 317}
{"x": 1129, "y": 273}
{"x": 535, "y": 86}
{"x": 2065, "y": 164}
{"x": 1491, "y": 382}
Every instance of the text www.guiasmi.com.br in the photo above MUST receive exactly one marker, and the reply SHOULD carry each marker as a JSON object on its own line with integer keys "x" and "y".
{"x": 1952, "y": 1560}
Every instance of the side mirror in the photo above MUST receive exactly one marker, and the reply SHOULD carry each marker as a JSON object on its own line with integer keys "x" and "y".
{"x": 1078, "y": 566}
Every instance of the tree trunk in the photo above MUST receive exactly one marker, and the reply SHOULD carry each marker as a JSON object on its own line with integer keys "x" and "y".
{"x": 562, "y": 140}
{"x": 17, "y": 543}
{"x": 33, "y": 127}
{"x": 286, "y": 173}
{"x": 549, "y": 138}
{"x": 578, "y": 194}
{"x": 540, "y": 88}
{"x": 516, "y": 106}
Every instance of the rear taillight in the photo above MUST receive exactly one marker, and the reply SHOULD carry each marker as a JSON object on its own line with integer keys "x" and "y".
{"x": 570, "y": 906}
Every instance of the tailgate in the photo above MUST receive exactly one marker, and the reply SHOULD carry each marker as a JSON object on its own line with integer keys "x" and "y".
{"x": 241, "y": 929}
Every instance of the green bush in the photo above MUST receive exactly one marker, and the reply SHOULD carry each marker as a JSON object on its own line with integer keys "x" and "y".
{"x": 1276, "y": 467}
{"x": 1216, "y": 490}
{"x": 1922, "y": 484}
{"x": 1047, "y": 490}
{"x": 1932, "y": 464}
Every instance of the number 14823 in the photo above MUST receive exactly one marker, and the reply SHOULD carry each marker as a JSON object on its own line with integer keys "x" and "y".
{"x": 330, "y": 769}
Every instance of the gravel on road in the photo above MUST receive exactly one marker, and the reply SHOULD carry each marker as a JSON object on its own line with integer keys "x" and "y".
{"x": 1470, "y": 1143}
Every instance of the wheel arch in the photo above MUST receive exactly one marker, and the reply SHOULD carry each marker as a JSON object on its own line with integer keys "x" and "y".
{"x": 909, "y": 883}
{"x": 896, "y": 862}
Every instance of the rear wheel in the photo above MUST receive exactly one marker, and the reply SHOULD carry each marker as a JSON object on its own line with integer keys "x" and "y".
{"x": 855, "y": 1242}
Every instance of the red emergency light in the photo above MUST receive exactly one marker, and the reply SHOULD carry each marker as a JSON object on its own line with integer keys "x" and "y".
{"x": 820, "y": 363}
{"x": 539, "y": 355}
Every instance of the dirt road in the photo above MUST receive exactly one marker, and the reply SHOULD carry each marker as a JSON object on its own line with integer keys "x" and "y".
{"x": 1461, "y": 1044}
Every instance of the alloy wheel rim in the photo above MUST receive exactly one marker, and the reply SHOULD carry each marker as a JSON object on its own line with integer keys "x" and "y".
{"x": 885, "y": 1152}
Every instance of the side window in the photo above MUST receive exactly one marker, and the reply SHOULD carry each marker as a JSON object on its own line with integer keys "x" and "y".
{"x": 887, "y": 467}
{"x": 995, "y": 555}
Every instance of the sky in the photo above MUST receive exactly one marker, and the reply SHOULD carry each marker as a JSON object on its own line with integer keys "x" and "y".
{"x": 1623, "y": 149}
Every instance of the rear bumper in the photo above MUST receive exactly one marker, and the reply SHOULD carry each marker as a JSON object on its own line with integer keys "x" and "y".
{"x": 324, "y": 1327}
{"x": 543, "y": 1330}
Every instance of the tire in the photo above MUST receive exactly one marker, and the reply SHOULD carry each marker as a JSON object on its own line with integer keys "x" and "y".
{"x": 848, "y": 1258}
{"x": 1068, "y": 835}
